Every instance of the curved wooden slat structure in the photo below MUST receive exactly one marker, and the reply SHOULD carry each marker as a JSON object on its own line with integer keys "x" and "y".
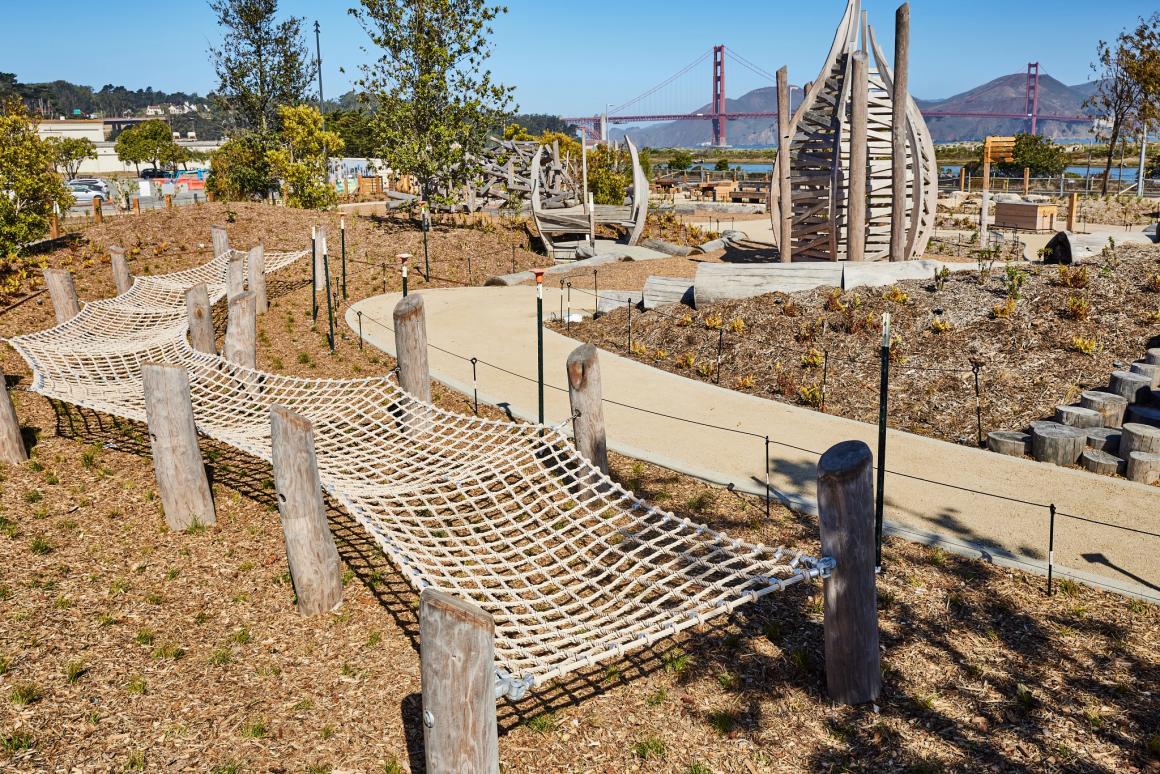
{"x": 819, "y": 158}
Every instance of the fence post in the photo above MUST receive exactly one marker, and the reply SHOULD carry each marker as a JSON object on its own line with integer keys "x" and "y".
{"x": 856, "y": 197}
{"x": 54, "y": 225}
{"x": 785, "y": 192}
{"x": 12, "y": 451}
{"x": 1027, "y": 180}
{"x": 136, "y": 205}
{"x": 846, "y": 522}
{"x": 540, "y": 338}
{"x": 256, "y": 271}
{"x": 899, "y": 134}
{"x": 411, "y": 347}
{"x": 314, "y": 274}
{"x": 883, "y": 406}
{"x": 169, "y": 201}
{"x": 310, "y": 549}
{"x": 63, "y": 293}
{"x": 403, "y": 258}
{"x": 457, "y": 661}
{"x": 1050, "y": 548}
{"x": 121, "y": 277}
{"x": 342, "y": 239}
{"x": 98, "y": 214}
{"x": 197, "y": 310}
{"x": 1072, "y": 211}
{"x": 584, "y": 398}
{"x": 240, "y": 344}
{"x": 180, "y": 471}
{"x": 235, "y": 275}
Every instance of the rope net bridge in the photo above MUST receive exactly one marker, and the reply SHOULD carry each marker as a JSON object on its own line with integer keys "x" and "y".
{"x": 571, "y": 566}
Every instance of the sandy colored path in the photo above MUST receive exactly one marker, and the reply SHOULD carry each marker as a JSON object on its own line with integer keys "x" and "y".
{"x": 497, "y": 326}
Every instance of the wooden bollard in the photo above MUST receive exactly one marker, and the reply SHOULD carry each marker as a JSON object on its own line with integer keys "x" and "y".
{"x": 899, "y": 135}
{"x": 240, "y": 344}
{"x": 98, "y": 216}
{"x": 136, "y": 205}
{"x": 256, "y": 273}
{"x": 457, "y": 661}
{"x": 1072, "y": 211}
{"x": 235, "y": 275}
{"x": 846, "y": 520}
{"x": 857, "y": 196}
{"x": 63, "y": 293}
{"x": 310, "y": 549}
{"x": 209, "y": 197}
{"x": 121, "y": 277}
{"x": 169, "y": 201}
{"x": 54, "y": 226}
{"x": 181, "y": 480}
{"x": 411, "y": 347}
{"x": 220, "y": 240}
{"x": 12, "y": 449}
{"x": 584, "y": 396}
{"x": 963, "y": 178}
{"x": 785, "y": 192}
{"x": 197, "y": 310}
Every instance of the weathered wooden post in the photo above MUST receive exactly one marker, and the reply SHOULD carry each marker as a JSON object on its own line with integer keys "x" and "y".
{"x": 181, "y": 480}
{"x": 1026, "y": 180}
{"x": 584, "y": 396}
{"x": 1072, "y": 211}
{"x": 310, "y": 550}
{"x": 411, "y": 347}
{"x": 256, "y": 271}
{"x": 197, "y": 310}
{"x": 856, "y": 193}
{"x": 121, "y": 277}
{"x": 54, "y": 225}
{"x": 899, "y": 133}
{"x": 240, "y": 344}
{"x": 963, "y": 178}
{"x": 221, "y": 240}
{"x": 12, "y": 451}
{"x": 784, "y": 192}
{"x": 63, "y": 293}
{"x": 136, "y": 205}
{"x": 169, "y": 201}
{"x": 98, "y": 214}
{"x": 846, "y": 520}
{"x": 235, "y": 275}
{"x": 457, "y": 660}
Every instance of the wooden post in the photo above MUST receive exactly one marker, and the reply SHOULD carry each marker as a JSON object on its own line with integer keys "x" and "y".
{"x": 235, "y": 275}
{"x": 181, "y": 479}
{"x": 121, "y": 277}
{"x": 984, "y": 210}
{"x": 411, "y": 347}
{"x": 63, "y": 294}
{"x": 12, "y": 451}
{"x": 310, "y": 550}
{"x": 963, "y": 178}
{"x": 137, "y": 205}
{"x": 98, "y": 215}
{"x": 1072, "y": 211}
{"x": 784, "y": 192}
{"x": 457, "y": 660}
{"x": 221, "y": 240}
{"x": 256, "y": 270}
{"x": 240, "y": 344}
{"x": 584, "y": 396}
{"x": 169, "y": 201}
{"x": 197, "y": 309}
{"x": 54, "y": 225}
{"x": 1026, "y": 180}
{"x": 856, "y": 193}
{"x": 899, "y": 134}
{"x": 846, "y": 520}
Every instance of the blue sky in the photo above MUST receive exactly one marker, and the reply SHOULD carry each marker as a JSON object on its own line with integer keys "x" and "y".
{"x": 572, "y": 58}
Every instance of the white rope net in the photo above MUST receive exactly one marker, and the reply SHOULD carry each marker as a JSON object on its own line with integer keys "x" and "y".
{"x": 572, "y": 567}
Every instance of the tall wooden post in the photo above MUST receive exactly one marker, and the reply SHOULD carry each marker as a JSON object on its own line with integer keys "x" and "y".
{"x": 320, "y": 285}
{"x": 12, "y": 451}
{"x": 411, "y": 347}
{"x": 181, "y": 480}
{"x": 240, "y": 344}
{"x": 584, "y": 396}
{"x": 121, "y": 277}
{"x": 899, "y": 134}
{"x": 54, "y": 225}
{"x": 784, "y": 192}
{"x": 457, "y": 660}
{"x": 256, "y": 271}
{"x": 856, "y": 193}
{"x": 221, "y": 240}
{"x": 310, "y": 551}
{"x": 235, "y": 275}
{"x": 98, "y": 214}
{"x": 963, "y": 178}
{"x": 985, "y": 207}
{"x": 846, "y": 521}
{"x": 197, "y": 310}
{"x": 1072, "y": 211}
{"x": 169, "y": 201}
{"x": 63, "y": 293}
{"x": 137, "y": 205}
{"x": 1026, "y": 180}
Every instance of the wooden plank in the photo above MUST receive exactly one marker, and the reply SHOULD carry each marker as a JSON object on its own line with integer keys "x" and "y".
{"x": 256, "y": 274}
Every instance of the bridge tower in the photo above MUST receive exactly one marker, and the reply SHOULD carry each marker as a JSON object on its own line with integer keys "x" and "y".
{"x": 1033, "y": 95}
{"x": 719, "y": 110}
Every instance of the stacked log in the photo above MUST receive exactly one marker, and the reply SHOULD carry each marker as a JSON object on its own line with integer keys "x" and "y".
{"x": 1139, "y": 438}
{"x": 1110, "y": 406}
{"x": 1010, "y": 443}
{"x": 1077, "y": 416}
{"x": 1134, "y": 388}
{"x": 1056, "y": 443}
{"x": 1104, "y": 439}
{"x": 1144, "y": 468}
{"x": 1101, "y": 462}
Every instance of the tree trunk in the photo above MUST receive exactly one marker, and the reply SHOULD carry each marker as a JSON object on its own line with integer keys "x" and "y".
{"x": 1111, "y": 155}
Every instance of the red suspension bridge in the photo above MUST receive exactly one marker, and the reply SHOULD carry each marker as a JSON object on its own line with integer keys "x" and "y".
{"x": 717, "y": 112}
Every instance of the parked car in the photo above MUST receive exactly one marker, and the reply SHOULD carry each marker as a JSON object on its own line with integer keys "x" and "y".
{"x": 83, "y": 194}
{"x": 152, "y": 173}
{"x": 93, "y": 182}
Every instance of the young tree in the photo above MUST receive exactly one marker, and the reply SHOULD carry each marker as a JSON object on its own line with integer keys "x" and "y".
{"x": 240, "y": 169}
{"x": 1039, "y": 154}
{"x": 435, "y": 101}
{"x": 30, "y": 190}
{"x": 150, "y": 141}
{"x": 70, "y": 152}
{"x": 680, "y": 160}
{"x": 262, "y": 63}
{"x": 300, "y": 162}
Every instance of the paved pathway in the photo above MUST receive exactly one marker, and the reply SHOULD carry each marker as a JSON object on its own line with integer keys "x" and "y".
{"x": 497, "y": 325}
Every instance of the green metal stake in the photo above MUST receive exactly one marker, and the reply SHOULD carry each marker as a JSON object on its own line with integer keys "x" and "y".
{"x": 313, "y": 273}
{"x": 425, "y": 224}
{"x": 403, "y": 258}
{"x": 342, "y": 236}
{"x": 540, "y": 340}
{"x": 883, "y": 401}
{"x": 329, "y": 305}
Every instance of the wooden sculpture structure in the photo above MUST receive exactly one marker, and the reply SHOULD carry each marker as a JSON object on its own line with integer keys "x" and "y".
{"x": 505, "y": 178}
{"x": 819, "y": 155}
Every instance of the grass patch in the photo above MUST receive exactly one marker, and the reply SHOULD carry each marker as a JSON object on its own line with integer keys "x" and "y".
{"x": 17, "y": 742}
{"x": 722, "y": 721}
{"x": 542, "y": 723}
{"x": 221, "y": 657}
{"x": 24, "y": 694}
{"x": 255, "y": 729}
{"x": 74, "y": 670}
{"x": 649, "y": 748}
{"x": 136, "y": 685}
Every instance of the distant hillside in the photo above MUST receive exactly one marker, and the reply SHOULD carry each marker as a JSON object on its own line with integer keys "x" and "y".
{"x": 1007, "y": 94}
{"x": 62, "y": 98}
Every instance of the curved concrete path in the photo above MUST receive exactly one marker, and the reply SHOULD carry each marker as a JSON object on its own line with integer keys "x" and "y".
{"x": 497, "y": 325}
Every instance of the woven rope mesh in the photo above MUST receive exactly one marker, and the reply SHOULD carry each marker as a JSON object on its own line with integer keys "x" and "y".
{"x": 573, "y": 568}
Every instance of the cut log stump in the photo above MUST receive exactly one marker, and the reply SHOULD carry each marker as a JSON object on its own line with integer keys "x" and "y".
{"x": 1137, "y": 437}
{"x": 1134, "y": 388}
{"x": 1105, "y": 439}
{"x": 1153, "y": 356}
{"x": 1144, "y": 468}
{"x": 1009, "y": 442}
{"x": 1150, "y": 370}
{"x": 1056, "y": 443}
{"x": 1110, "y": 406}
{"x": 1101, "y": 462}
{"x": 1077, "y": 416}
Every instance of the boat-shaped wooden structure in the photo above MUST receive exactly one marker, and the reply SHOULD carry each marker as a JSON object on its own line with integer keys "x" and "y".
{"x": 819, "y": 157}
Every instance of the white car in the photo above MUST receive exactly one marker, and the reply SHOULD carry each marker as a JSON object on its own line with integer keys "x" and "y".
{"x": 93, "y": 182}
{"x": 83, "y": 194}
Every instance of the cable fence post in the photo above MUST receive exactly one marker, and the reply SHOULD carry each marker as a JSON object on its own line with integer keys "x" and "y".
{"x": 629, "y": 304}
{"x": 329, "y": 302}
{"x": 358, "y": 314}
{"x": 425, "y": 226}
{"x": 720, "y": 345}
{"x": 883, "y": 402}
{"x": 403, "y": 258}
{"x": 595, "y": 295}
{"x": 561, "y": 299}
{"x": 825, "y": 376}
{"x": 540, "y": 342}
{"x": 470, "y": 274}
{"x": 342, "y": 239}
{"x": 1050, "y": 548}
{"x": 975, "y": 367}
{"x": 314, "y": 273}
{"x": 568, "y": 317}
{"x": 475, "y": 384}
{"x": 768, "y": 492}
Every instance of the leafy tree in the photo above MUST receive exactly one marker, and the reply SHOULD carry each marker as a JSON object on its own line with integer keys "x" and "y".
{"x": 609, "y": 174}
{"x": 150, "y": 141}
{"x": 262, "y": 63}
{"x": 435, "y": 101}
{"x": 300, "y": 162}
{"x": 722, "y": 165}
{"x": 356, "y": 130}
{"x": 240, "y": 168}
{"x": 31, "y": 189}
{"x": 680, "y": 160}
{"x": 70, "y": 152}
{"x": 1039, "y": 154}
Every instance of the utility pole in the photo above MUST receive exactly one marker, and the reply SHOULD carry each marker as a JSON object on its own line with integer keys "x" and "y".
{"x": 318, "y": 64}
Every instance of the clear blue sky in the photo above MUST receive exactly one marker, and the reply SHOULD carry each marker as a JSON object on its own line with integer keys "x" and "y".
{"x": 572, "y": 58}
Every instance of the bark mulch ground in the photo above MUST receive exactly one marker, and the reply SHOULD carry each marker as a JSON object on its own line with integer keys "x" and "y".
{"x": 126, "y": 647}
